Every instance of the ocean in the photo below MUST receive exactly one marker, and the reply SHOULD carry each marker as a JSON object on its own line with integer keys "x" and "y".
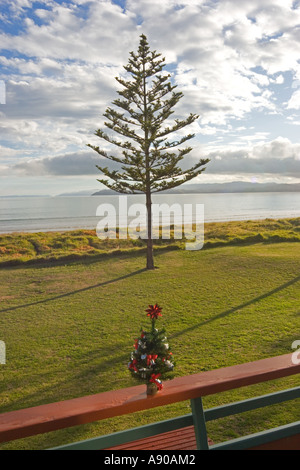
{"x": 45, "y": 214}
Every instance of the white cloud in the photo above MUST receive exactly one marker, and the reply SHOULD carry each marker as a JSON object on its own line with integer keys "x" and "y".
{"x": 280, "y": 148}
{"x": 256, "y": 136}
{"x": 294, "y": 102}
{"x": 7, "y": 156}
{"x": 217, "y": 68}
{"x": 279, "y": 80}
{"x": 228, "y": 58}
{"x": 65, "y": 35}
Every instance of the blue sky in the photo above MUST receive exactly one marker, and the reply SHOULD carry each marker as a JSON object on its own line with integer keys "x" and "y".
{"x": 236, "y": 62}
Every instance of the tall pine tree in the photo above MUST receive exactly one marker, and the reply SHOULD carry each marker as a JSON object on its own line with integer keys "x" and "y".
{"x": 148, "y": 162}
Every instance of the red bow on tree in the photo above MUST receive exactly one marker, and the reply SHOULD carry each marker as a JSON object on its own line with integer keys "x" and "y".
{"x": 154, "y": 311}
{"x": 150, "y": 358}
{"x": 154, "y": 379}
{"x": 132, "y": 365}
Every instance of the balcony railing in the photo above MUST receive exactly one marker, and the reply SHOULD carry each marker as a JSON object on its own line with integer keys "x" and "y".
{"x": 65, "y": 414}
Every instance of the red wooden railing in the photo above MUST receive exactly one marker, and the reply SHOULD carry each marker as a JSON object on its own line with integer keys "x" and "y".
{"x": 63, "y": 414}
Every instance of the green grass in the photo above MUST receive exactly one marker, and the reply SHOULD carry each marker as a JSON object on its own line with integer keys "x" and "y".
{"x": 69, "y": 328}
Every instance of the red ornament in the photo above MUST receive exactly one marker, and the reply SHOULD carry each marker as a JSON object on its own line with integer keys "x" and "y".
{"x": 132, "y": 365}
{"x": 154, "y": 311}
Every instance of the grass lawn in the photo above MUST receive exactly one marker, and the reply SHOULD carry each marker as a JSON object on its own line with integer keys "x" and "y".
{"x": 69, "y": 328}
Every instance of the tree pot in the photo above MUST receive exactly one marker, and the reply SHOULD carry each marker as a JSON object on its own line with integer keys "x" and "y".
{"x": 151, "y": 389}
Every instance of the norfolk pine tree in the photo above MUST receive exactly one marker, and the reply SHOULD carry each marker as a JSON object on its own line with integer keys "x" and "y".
{"x": 148, "y": 164}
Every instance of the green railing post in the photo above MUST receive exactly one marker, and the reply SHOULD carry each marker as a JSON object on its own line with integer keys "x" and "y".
{"x": 199, "y": 424}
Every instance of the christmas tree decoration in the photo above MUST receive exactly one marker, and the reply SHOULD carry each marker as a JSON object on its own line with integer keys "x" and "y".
{"x": 154, "y": 311}
{"x": 151, "y": 361}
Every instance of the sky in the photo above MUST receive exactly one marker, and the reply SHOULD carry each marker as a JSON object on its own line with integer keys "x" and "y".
{"x": 236, "y": 62}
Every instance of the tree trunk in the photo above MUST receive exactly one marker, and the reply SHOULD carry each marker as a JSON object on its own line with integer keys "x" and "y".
{"x": 146, "y": 147}
{"x": 150, "y": 262}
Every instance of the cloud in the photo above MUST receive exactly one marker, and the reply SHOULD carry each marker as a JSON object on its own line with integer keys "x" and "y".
{"x": 64, "y": 34}
{"x": 216, "y": 53}
{"x": 278, "y": 157}
{"x": 219, "y": 50}
{"x": 76, "y": 92}
{"x": 71, "y": 164}
{"x": 230, "y": 59}
{"x": 294, "y": 102}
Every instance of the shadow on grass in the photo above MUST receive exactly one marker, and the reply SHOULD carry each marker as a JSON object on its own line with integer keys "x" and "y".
{"x": 67, "y": 294}
{"x": 238, "y": 307}
{"x": 82, "y": 377}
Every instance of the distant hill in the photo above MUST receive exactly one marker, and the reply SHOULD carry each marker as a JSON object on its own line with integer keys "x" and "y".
{"x": 24, "y": 195}
{"x": 233, "y": 187}
{"x": 86, "y": 192}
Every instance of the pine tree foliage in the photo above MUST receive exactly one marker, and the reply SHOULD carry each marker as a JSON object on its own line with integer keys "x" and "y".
{"x": 148, "y": 161}
{"x": 139, "y": 127}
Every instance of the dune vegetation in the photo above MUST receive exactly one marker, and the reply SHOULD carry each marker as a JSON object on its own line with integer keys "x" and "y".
{"x": 20, "y": 248}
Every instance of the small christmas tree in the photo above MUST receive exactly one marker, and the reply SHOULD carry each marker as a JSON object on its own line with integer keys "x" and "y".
{"x": 151, "y": 359}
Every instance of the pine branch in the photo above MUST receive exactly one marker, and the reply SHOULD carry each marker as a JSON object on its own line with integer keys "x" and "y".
{"x": 125, "y": 131}
{"x": 176, "y": 143}
{"x": 125, "y": 145}
{"x": 105, "y": 154}
{"x": 178, "y": 125}
{"x": 116, "y": 117}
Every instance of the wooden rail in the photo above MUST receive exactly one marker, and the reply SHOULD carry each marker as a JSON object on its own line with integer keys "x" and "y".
{"x": 63, "y": 414}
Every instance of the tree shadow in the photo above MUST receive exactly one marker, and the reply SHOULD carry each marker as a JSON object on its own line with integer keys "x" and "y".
{"x": 238, "y": 307}
{"x": 83, "y": 371}
{"x": 67, "y": 294}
